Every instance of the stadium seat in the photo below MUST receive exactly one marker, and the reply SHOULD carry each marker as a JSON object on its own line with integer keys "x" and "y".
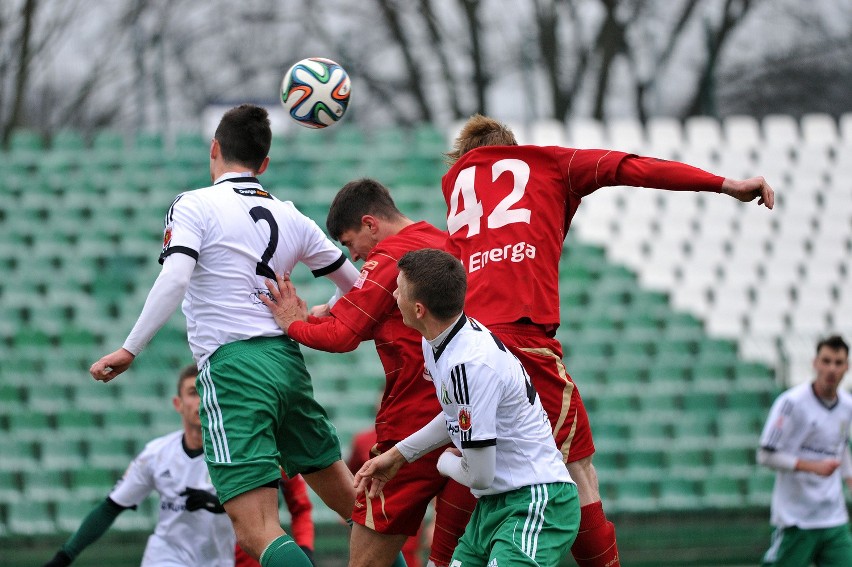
{"x": 71, "y": 513}
{"x": 734, "y": 462}
{"x": 759, "y": 488}
{"x": 91, "y": 483}
{"x": 107, "y": 452}
{"x": 635, "y": 495}
{"x": 741, "y": 132}
{"x": 29, "y": 518}
{"x": 665, "y": 136}
{"x": 678, "y": 494}
{"x": 722, "y": 492}
{"x": 44, "y": 485}
{"x": 60, "y": 453}
{"x": 703, "y": 132}
{"x": 10, "y": 487}
{"x": 18, "y": 454}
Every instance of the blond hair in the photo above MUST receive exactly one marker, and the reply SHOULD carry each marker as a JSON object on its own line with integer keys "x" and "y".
{"x": 480, "y": 131}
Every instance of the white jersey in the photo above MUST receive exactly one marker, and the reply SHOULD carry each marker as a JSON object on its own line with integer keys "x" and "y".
{"x": 239, "y": 235}
{"x": 488, "y": 400}
{"x": 181, "y": 538}
{"x": 800, "y": 424}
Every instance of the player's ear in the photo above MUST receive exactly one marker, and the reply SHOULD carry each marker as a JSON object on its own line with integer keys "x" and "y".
{"x": 263, "y": 166}
{"x": 176, "y": 402}
{"x": 214, "y": 148}
{"x": 370, "y": 222}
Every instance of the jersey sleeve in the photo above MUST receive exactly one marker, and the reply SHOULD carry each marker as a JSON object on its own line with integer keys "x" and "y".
{"x": 478, "y": 389}
{"x": 318, "y": 252}
{"x": 137, "y": 482}
{"x": 584, "y": 171}
{"x": 184, "y": 227}
{"x": 640, "y": 171}
{"x": 780, "y": 426}
{"x": 371, "y": 298}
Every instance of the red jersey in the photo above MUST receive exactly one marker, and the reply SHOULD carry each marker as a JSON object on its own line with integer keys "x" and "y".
{"x": 369, "y": 311}
{"x": 509, "y": 209}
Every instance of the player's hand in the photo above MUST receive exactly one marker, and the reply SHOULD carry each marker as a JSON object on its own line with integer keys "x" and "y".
{"x": 197, "y": 499}
{"x": 377, "y": 472}
{"x": 825, "y": 467}
{"x": 285, "y": 305}
{"x": 111, "y": 365}
{"x": 61, "y": 559}
{"x": 748, "y": 190}
{"x": 320, "y": 310}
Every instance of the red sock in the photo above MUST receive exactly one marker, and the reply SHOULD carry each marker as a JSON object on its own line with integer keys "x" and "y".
{"x": 595, "y": 544}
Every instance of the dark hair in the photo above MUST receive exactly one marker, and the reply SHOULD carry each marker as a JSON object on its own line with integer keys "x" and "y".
{"x": 834, "y": 342}
{"x": 437, "y": 281}
{"x": 480, "y": 131}
{"x": 244, "y": 135}
{"x": 186, "y": 372}
{"x": 354, "y": 200}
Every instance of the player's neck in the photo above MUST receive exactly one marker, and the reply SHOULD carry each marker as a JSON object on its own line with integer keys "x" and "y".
{"x": 825, "y": 392}
{"x": 192, "y": 438}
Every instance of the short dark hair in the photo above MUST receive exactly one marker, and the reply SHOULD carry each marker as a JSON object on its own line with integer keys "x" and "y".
{"x": 357, "y": 198}
{"x": 437, "y": 280}
{"x": 190, "y": 371}
{"x": 244, "y": 135}
{"x": 834, "y": 342}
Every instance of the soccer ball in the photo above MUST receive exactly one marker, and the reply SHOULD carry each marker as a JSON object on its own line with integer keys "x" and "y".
{"x": 315, "y": 92}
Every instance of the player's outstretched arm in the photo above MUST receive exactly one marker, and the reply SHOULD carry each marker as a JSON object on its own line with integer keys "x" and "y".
{"x": 375, "y": 473}
{"x": 286, "y": 306}
{"x": 747, "y": 190}
{"x": 111, "y": 365}
{"x": 96, "y": 523}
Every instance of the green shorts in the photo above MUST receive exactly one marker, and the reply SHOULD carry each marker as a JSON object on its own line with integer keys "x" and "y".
{"x": 828, "y": 547}
{"x": 533, "y": 525}
{"x": 258, "y": 412}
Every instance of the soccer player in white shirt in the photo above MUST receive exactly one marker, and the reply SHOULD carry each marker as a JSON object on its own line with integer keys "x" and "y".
{"x": 192, "y": 528}
{"x": 527, "y": 512}
{"x": 806, "y": 440}
{"x": 258, "y": 411}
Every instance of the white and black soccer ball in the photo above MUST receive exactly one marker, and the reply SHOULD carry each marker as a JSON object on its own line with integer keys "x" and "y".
{"x": 315, "y": 92}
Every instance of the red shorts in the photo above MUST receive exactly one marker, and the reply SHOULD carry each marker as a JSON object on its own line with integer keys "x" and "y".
{"x": 541, "y": 356}
{"x": 402, "y": 505}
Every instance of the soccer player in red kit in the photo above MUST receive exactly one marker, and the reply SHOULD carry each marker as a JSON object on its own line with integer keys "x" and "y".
{"x": 364, "y": 218}
{"x": 509, "y": 210}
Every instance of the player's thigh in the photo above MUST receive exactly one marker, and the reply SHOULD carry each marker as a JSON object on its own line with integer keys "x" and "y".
{"x": 369, "y": 548}
{"x": 541, "y": 525}
{"x": 454, "y": 505}
{"x": 238, "y": 419}
{"x": 835, "y": 549}
{"x": 790, "y": 547}
{"x": 559, "y": 395}
{"x": 400, "y": 507}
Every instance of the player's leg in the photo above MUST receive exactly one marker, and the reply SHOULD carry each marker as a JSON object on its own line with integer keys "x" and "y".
{"x": 535, "y": 525}
{"x": 453, "y": 508}
{"x": 382, "y": 524}
{"x": 791, "y": 547}
{"x": 835, "y": 548}
{"x": 239, "y": 418}
{"x": 595, "y": 545}
{"x": 334, "y": 485}
{"x": 257, "y": 525}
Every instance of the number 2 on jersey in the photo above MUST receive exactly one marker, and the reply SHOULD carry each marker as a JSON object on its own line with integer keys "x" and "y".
{"x": 263, "y": 268}
{"x": 471, "y": 211}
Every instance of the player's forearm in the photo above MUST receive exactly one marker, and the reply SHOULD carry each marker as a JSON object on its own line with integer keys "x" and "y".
{"x": 639, "y": 171}
{"x": 164, "y": 298}
{"x": 344, "y": 278}
{"x": 475, "y": 469}
{"x": 426, "y": 439}
{"x": 777, "y": 460}
{"x": 93, "y": 527}
{"x": 328, "y": 334}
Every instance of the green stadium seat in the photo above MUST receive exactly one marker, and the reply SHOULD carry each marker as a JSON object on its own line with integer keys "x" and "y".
{"x": 88, "y": 483}
{"x": 107, "y": 452}
{"x": 48, "y": 397}
{"x": 735, "y": 462}
{"x": 636, "y": 495}
{"x": 71, "y": 513}
{"x": 609, "y": 436}
{"x": 26, "y": 140}
{"x": 59, "y": 453}
{"x": 759, "y": 488}
{"x": 679, "y": 494}
{"x": 28, "y": 518}
{"x": 70, "y": 140}
{"x": 643, "y": 463}
{"x": 649, "y": 434}
{"x": 657, "y": 404}
{"x": 687, "y": 463}
{"x": 429, "y": 140}
{"x": 17, "y": 454}
{"x": 10, "y": 397}
{"x": 44, "y": 485}
{"x": 717, "y": 349}
{"x": 125, "y": 424}
{"x": 28, "y": 425}
{"x": 75, "y": 424}
{"x": 606, "y": 462}
{"x": 722, "y": 492}
{"x": 141, "y": 394}
{"x": 707, "y": 402}
{"x": 754, "y": 374}
{"x": 164, "y": 420}
{"x": 693, "y": 430}
{"x": 10, "y": 487}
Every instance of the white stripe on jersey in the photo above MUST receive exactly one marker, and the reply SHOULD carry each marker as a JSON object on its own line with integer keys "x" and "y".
{"x": 215, "y": 423}
{"x": 535, "y": 519}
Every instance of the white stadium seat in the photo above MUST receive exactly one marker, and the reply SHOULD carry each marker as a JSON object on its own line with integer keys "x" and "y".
{"x": 586, "y": 133}
{"x": 741, "y": 132}
{"x": 819, "y": 129}
{"x": 703, "y": 131}
{"x": 780, "y": 130}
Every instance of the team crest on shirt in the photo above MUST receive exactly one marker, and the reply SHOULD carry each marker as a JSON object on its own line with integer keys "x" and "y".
{"x": 167, "y": 237}
{"x": 464, "y": 419}
{"x": 365, "y": 270}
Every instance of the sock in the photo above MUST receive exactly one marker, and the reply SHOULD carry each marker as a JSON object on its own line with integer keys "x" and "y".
{"x": 283, "y": 552}
{"x": 595, "y": 544}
